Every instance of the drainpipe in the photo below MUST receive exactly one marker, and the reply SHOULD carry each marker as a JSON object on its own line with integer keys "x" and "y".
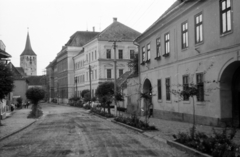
{"x": 139, "y": 75}
{"x": 74, "y": 70}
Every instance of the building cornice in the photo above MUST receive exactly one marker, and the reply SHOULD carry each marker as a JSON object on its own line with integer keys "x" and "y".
{"x": 170, "y": 17}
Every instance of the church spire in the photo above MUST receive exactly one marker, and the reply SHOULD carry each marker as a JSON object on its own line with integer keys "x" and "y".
{"x": 28, "y": 49}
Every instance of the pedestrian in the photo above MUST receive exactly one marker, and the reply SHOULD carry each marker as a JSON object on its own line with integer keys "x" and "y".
{"x": 27, "y": 104}
{"x": 12, "y": 107}
{"x": 150, "y": 111}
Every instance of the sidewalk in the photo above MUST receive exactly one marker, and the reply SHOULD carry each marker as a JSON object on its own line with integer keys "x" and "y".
{"x": 167, "y": 128}
{"x": 15, "y": 121}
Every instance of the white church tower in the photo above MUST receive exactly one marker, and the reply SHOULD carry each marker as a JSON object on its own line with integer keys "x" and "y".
{"x": 28, "y": 59}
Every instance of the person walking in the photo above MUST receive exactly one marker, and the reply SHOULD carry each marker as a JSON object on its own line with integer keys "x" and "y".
{"x": 27, "y": 104}
{"x": 150, "y": 111}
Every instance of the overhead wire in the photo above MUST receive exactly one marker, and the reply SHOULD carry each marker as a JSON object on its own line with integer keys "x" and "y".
{"x": 144, "y": 12}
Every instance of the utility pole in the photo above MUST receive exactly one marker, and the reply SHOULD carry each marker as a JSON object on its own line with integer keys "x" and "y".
{"x": 115, "y": 73}
{"x": 115, "y": 77}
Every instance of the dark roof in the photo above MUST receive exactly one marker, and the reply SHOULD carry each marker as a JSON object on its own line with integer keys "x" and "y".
{"x": 36, "y": 80}
{"x": 17, "y": 74}
{"x": 4, "y": 54}
{"x": 123, "y": 78}
{"x": 28, "y": 49}
{"x": 80, "y": 38}
{"x": 52, "y": 63}
{"x": 21, "y": 71}
{"x": 118, "y": 31}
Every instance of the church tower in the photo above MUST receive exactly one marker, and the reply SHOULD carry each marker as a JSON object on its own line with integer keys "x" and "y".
{"x": 28, "y": 59}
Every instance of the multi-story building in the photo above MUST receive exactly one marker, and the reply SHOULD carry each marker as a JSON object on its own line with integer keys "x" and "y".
{"x": 194, "y": 42}
{"x": 62, "y": 68}
{"x": 95, "y": 64}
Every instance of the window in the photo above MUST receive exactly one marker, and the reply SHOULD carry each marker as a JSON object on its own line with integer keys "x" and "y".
{"x": 167, "y": 43}
{"x": 148, "y": 52}
{"x": 132, "y": 54}
{"x": 200, "y": 87}
{"x": 109, "y": 53}
{"x": 226, "y": 17}
{"x": 158, "y": 48}
{"x": 184, "y": 35}
{"x": 159, "y": 84}
{"x": 95, "y": 54}
{"x": 95, "y": 74}
{"x": 86, "y": 57}
{"x": 198, "y": 28}
{"x": 120, "y": 54}
{"x": 109, "y": 75}
{"x": 143, "y": 54}
{"x": 86, "y": 76}
{"x": 120, "y": 72}
{"x": 168, "y": 93}
{"x": 92, "y": 56}
{"x": 185, "y": 87}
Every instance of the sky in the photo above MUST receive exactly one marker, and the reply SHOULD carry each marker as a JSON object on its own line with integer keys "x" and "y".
{"x": 51, "y": 22}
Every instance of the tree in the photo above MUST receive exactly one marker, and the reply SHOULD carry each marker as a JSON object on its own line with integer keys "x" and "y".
{"x": 6, "y": 82}
{"x": 86, "y": 97}
{"x": 84, "y": 92}
{"x": 133, "y": 64}
{"x": 35, "y": 94}
{"x": 105, "y": 93}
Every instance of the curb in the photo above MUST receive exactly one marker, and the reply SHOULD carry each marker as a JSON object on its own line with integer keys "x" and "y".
{"x": 154, "y": 137}
{"x": 98, "y": 115}
{"x": 130, "y": 127}
{"x": 17, "y": 131}
{"x": 187, "y": 149}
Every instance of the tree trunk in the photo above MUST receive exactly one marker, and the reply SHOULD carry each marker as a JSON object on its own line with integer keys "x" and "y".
{"x": 109, "y": 109}
{"x": 194, "y": 121}
{"x": 35, "y": 110}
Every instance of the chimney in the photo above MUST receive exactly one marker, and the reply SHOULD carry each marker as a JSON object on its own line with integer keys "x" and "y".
{"x": 93, "y": 29}
{"x": 114, "y": 19}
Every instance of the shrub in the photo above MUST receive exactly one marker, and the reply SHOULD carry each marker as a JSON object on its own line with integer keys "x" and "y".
{"x": 87, "y": 107}
{"x": 102, "y": 113}
{"x": 122, "y": 109}
{"x": 35, "y": 95}
{"x": 219, "y": 145}
{"x": 134, "y": 121}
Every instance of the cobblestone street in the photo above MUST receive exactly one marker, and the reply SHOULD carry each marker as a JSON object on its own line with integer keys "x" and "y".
{"x": 67, "y": 131}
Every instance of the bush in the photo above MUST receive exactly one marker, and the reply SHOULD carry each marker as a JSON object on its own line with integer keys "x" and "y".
{"x": 134, "y": 121}
{"x": 87, "y": 107}
{"x": 122, "y": 109}
{"x": 219, "y": 145}
{"x": 35, "y": 94}
{"x": 102, "y": 113}
{"x": 54, "y": 100}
